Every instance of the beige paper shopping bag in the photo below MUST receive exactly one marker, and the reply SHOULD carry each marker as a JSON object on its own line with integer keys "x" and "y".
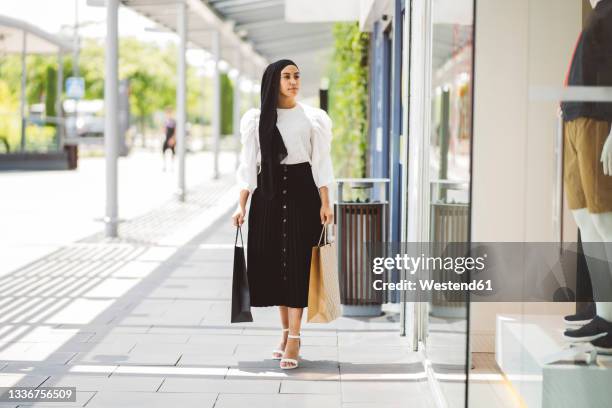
{"x": 323, "y": 288}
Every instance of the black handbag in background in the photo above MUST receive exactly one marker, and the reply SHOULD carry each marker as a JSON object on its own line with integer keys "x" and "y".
{"x": 241, "y": 298}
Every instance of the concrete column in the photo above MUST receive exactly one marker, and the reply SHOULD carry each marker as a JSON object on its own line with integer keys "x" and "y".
{"x": 22, "y": 99}
{"x": 181, "y": 100}
{"x": 237, "y": 102}
{"x": 111, "y": 129}
{"x": 216, "y": 111}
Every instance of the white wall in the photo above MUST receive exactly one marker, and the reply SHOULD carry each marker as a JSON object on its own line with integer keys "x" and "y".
{"x": 519, "y": 44}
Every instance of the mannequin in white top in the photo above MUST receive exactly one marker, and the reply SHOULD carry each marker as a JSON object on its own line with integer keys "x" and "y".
{"x": 299, "y": 150}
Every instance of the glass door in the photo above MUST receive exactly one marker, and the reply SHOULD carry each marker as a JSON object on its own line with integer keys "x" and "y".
{"x": 439, "y": 172}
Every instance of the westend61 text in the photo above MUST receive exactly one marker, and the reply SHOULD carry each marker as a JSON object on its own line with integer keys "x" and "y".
{"x": 430, "y": 284}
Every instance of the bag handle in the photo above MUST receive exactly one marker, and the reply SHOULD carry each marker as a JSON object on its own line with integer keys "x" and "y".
{"x": 236, "y": 240}
{"x": 322, "y": 231}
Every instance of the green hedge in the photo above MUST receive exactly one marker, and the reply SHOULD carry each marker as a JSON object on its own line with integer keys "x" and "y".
{"x": 227, "y": 105}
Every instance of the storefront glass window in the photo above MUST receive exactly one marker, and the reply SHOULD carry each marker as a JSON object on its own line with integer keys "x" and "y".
{"x": 449, "y": 155}
{"x": 540, "y": 173}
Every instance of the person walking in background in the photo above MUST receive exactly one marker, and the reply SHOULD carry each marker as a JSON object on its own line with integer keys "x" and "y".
{"x": 169, "y": 138}
{"x": 286, "y": 164}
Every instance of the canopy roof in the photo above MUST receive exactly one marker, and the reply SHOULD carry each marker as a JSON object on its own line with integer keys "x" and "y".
{"x": 255, "y": 27}
{"x": 263, "y": 23}
{"x": 37, "y": 41}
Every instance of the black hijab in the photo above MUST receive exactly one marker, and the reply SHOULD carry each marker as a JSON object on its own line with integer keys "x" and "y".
{"x": 273, "y": 149}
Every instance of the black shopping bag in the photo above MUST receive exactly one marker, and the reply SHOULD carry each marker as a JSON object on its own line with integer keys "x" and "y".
{"x": 241, "y": 298}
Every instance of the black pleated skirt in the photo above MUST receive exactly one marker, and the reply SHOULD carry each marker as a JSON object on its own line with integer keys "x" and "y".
{"x": 282, "y": 232}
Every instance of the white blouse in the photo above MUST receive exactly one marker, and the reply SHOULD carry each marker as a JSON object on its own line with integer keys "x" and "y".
{"x": 307, "y": 134}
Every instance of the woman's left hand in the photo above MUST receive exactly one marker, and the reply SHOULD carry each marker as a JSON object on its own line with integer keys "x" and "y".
{"x": 327, "y": 214}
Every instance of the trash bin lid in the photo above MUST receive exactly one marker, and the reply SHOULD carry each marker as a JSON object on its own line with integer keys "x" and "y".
{"x": 361, "y": 184}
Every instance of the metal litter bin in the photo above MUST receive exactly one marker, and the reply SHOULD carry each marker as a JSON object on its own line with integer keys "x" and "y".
{"x": 361, "y": 216}
{"x": 449, "y": 220}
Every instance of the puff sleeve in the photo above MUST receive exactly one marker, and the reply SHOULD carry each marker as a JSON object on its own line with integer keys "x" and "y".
{"x": 322, "y": 167}
{"x": 246, "y": 174}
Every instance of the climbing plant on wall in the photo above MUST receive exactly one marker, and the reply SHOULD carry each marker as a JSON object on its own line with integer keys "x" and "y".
{"x": 348, "y": 98}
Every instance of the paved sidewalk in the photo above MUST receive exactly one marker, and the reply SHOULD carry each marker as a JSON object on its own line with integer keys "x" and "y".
{"x": 143, "y": 321}
{"x": 45, "y": 210}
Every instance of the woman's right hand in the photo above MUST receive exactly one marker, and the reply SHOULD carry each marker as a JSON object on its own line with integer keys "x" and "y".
{"x": 238, "y": 216}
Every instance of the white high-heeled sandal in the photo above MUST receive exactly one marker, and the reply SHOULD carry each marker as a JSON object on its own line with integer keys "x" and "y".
{"x": 292, "y": 361}
{"x": 275, "y": 353}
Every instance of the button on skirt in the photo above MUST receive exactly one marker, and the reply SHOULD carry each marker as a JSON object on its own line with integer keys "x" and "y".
{"x": 282, "y": 232}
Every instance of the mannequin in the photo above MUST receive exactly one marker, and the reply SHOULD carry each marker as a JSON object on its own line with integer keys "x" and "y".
{"x": 597, "y": 228}
{"x": 588, "y": 167}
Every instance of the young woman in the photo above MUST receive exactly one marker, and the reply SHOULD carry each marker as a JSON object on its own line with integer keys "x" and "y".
{"x": 169, "y": 138}
{"x": 285, "y": 164}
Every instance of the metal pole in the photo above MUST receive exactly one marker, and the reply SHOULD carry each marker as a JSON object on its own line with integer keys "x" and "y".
{"x": 111, "y": 130}
{"x": 75, "y": 60}
{"x": 254, "y": 93}
{"x": 75, "y": 64}
{"x": 405, "y": 311}
{"x": 22, "y": 106}
{"x": 236, "y": 116}
{"x": 205, "y": 113}
{"x": 249, "y": 95}
{"x": 339, "y": 233}
{"x": 181, "y": 116}
{"x": 59, "y": 128}
{"x": 216, "y": 120}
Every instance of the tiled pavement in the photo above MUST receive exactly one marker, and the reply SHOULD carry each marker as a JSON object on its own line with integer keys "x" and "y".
{"x": 143, "y": 321}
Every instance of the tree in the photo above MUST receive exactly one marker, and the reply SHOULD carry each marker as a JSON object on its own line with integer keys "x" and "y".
{"x": 227, "y": 103}
{"x": 151, "y": 69}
